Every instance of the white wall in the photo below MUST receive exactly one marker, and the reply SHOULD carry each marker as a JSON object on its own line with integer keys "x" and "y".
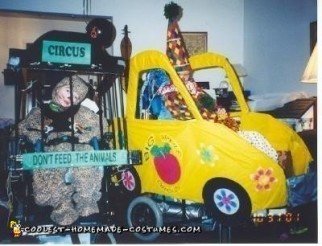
{"x": 277, "y": 44}
{"x": 6, "y": 92}
{"x": 16, "y": 32}
{"x": 222, "y": 19}
{"x": 270, "y": 37}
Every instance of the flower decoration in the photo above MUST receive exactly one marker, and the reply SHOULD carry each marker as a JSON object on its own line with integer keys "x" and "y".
{"x": 207, "y": 154}
{"x": 263, "y": 178}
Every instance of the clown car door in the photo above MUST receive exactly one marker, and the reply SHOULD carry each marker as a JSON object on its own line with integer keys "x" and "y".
{"x": 159, "y": 128}
{"x": 160, "y": 116}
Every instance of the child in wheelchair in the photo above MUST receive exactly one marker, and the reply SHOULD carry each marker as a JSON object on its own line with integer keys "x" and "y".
{"x": 71, "y": 192}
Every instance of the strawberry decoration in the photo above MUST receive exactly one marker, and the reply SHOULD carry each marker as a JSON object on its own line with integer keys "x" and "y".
{"x": 166, "y": 164}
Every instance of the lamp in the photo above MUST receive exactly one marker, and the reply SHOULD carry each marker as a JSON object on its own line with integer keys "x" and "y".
{"x": 225, "y": 87}
{"x": 240, "y": 70}
{"x": 311, "y": 70}
{"x": 310, "y": 75}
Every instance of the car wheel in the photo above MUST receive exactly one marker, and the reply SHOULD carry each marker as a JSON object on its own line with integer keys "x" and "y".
{"x": 144, "y": 212}
{"x": 227, "y": 201}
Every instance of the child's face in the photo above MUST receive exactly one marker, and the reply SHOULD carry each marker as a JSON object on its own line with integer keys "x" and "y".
{"x": 63, "y": 96}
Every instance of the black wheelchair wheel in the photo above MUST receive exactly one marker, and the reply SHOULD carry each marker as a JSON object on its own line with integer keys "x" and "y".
{"x": 143, "y": 212}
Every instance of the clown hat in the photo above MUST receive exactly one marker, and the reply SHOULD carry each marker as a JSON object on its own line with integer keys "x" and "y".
{"x": 176, "y": 48}
{"x": 179, "y": 58}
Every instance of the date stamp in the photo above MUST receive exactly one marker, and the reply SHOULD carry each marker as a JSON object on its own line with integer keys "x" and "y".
{"x": 281, "y": 218}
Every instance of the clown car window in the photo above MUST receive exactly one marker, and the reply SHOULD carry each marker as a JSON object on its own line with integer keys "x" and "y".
{"x": 159, "y": 99}
{"x": 220, "y": 87}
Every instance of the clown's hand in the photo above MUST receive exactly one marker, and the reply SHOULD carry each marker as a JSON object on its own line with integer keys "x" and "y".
{"x": 78, "y": 128}
{"x": 84, "y": 135}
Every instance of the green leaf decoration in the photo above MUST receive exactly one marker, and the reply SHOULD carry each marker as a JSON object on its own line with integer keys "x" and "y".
{"x": 166, "y": 149}
{"x": 156, "y": 151}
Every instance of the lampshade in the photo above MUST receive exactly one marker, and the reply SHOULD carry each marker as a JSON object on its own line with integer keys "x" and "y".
{"x": 311, "y": 70}
{"x": 240, "y": 70}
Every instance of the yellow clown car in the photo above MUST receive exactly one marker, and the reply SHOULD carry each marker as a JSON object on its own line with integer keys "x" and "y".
{"x": 201, "y": 161}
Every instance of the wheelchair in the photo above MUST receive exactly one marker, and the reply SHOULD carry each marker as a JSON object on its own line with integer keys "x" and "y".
{"x": 120, "y": 179}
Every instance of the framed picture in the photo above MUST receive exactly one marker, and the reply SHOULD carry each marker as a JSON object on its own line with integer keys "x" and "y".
{"x": 196, "y": 42}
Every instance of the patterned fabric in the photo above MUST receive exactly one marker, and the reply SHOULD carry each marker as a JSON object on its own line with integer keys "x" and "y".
{"x": 179, "y": 58}
{"x": 177, "y": 106}
{"x": 72, "y": 192}
{"x": 221, "y": 116}
{"x": 260, "y": 142}
{"x": 176, "y": 50}
{"x": 78, "y": 85}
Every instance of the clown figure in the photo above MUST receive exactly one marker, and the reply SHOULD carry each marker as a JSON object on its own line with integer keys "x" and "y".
{"x": 72, "y": 192}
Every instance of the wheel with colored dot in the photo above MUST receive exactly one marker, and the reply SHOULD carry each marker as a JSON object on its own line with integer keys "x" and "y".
{"x": 227, "y": 201}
